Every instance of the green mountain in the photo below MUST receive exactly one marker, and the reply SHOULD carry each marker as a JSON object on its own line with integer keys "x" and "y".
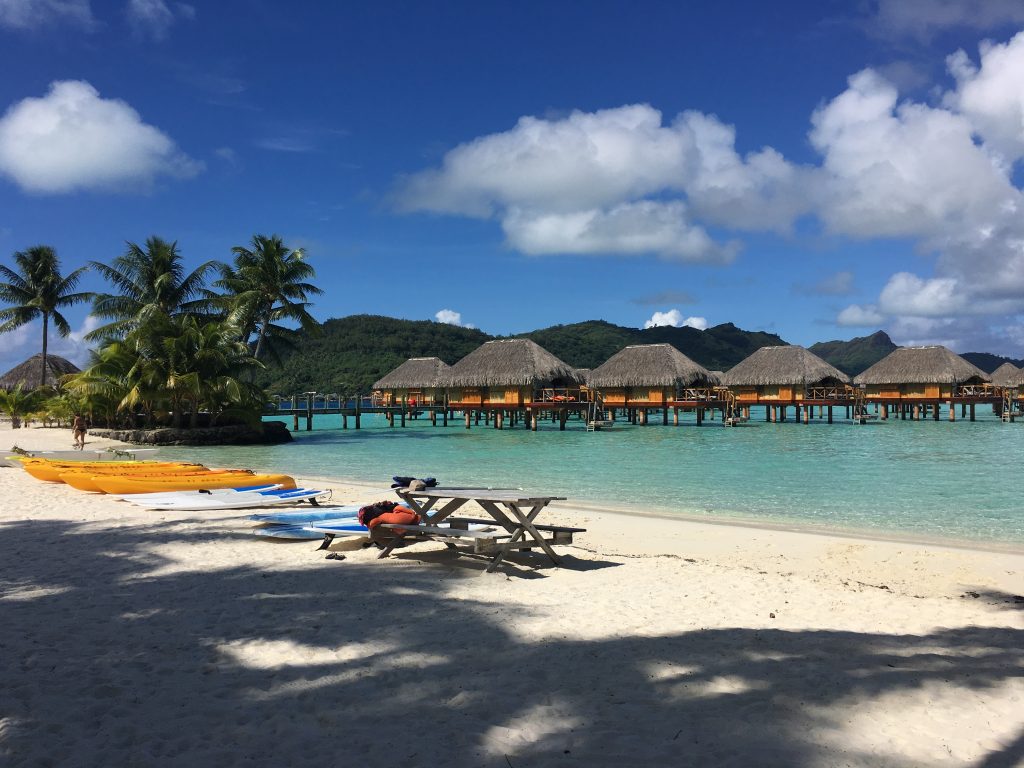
{"x": 588, "y": 344}
{"x": 856, "y": 355}
{"x": 353, "y": 352}
{"x": 989, "y": 362}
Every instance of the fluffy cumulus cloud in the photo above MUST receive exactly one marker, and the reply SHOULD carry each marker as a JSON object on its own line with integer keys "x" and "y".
{"x": 858, "y": 316}
{"x": 72, "y": 138}
{"x": 675, "y": 319}
{"x": 451, "y": 317}
{"x": 31, "y": 14}
{"x": 618, "y": 181}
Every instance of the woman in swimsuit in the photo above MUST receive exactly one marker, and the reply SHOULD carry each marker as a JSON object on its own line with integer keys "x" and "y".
{"x": 78, "y": 429}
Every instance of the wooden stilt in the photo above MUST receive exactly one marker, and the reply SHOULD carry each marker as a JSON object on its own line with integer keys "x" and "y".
{"x": 700, "y": 416}
{"x": 344, "y": 421}
{"x": 468, "y": 417}
{"x": 563, "y": 415}
{"x": 675, "y": 416}
{"x": 972, "y": 411}
{"x": 885, "y": 412}
{"x": 830, "y": 414}
{"x": 952, "y": 410}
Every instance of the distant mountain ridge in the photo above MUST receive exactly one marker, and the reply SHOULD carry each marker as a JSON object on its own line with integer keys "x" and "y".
{"x": 353, "y": 352}
{"x": 856, "y": 355}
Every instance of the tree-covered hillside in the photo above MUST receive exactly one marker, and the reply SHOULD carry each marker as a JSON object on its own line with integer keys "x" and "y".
{"x": 856, "y": 355}
{"x": 353, "y": 352}
{"x": 989, "y": 362}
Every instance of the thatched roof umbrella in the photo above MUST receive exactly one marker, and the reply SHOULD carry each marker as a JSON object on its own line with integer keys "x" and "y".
{"x": 1008, "y": 375}
{"x": 510, "y": 363}
{"x": 416, "y": 373}
{"x": 782, "y": 366}
{"x": 650, "y": 365}
{"x": 921, "y": 365}
{"x": 30, "y": 372}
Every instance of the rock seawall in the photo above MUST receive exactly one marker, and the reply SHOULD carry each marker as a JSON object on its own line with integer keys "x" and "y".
{"x": 268, "y": 433}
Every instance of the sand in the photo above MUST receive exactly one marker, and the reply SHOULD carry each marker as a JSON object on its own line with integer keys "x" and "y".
{"x": 135, "y": 638}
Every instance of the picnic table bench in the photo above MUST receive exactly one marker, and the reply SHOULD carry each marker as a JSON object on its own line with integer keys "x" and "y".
{"x": 512, "y": 512}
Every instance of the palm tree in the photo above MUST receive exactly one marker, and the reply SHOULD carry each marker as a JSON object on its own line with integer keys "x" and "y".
{"x": 268, "y": 284}
{"x": 36, "y": 290}
{"x": 152, "y": 285}
{"x": 17, "y": 403}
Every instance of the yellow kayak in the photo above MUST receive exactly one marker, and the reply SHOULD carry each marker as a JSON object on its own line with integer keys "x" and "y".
{"x": 86, "y": 481}
{"x": 121, "y": 485}
{"x": 51, "y": 471}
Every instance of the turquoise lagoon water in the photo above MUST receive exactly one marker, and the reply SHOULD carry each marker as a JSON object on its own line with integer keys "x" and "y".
{"x": 932, "y": 480}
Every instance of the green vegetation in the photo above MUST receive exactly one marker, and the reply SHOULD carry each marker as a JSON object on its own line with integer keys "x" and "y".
{"x": 171, "y": 347}
{"x": 17, "y": 403}
{"x": 989, "y": 362}
{"x": 353, "y": 352}
{"x": 856, "y": 355}
{"x": 269, "y": 283}
{"x": 38, "y": 290}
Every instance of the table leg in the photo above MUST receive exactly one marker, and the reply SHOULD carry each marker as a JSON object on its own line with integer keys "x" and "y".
{"x": 518, "y": 528}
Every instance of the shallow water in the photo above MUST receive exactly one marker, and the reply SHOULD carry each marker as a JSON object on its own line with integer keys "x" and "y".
{"x": 927, "y": 479}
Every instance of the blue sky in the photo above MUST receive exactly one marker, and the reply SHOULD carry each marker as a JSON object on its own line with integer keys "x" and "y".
{"x": 818, "y": 169}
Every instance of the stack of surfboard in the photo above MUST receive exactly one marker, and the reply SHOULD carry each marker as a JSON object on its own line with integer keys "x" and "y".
{"x": 227, "y": 498}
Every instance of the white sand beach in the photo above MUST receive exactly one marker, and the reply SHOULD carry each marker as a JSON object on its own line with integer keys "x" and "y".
{"x": 137, "y": 638}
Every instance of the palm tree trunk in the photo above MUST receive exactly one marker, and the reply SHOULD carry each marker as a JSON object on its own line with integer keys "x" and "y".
{"x": 46, "y": 323}
{"x": 263, "y": 334}
{"x": 193, "y": 420}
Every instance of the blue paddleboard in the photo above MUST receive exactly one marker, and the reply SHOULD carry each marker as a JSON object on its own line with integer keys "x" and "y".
{"x": 307, "y": 516}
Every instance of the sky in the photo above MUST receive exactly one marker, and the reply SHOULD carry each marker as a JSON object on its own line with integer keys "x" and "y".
{"x": 820, "y": 169}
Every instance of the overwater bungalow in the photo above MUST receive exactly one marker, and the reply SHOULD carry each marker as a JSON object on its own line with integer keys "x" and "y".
{"x": 1007, "y": 375}
{"x": 916, "y": 380}
{"x": 513, "y": 378}
{"x": 29, "y": 373}
{"x": 417, "y": 381}
{"x": 645, "y": 377}
{"x": 779, "y": 377}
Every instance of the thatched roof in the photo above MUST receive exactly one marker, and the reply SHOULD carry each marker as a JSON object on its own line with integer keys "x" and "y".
{"x": 782, "y": 366}
{"x": 1008, "y": 375}
{"x": 30, "y": 372}
{"x": 415, "y": 373}
{"x": 650, "y": 365}
{"x": 510, "y": 363}
{"x": 921, "y": 365}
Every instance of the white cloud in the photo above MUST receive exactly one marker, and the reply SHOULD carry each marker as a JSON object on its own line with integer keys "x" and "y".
{"x": 923, "y": 18}
{"x": 154, "y": 18}
{"x": 909, "y": 295}
{"x": 71, "y": 138}
{"x": 451, "y": 317}
{"x": 615, "y": 181}
{"x": 31, "y": 14}
{"x": 856, "y": 316}
{"x": 898, "y": 170}
{"x": 674, "y": 318}
{"x": 630, "y": 229}
{"x": 991, "y": 95}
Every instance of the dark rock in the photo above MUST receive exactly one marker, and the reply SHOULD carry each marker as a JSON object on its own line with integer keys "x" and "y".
{"x": 268, "y": 433}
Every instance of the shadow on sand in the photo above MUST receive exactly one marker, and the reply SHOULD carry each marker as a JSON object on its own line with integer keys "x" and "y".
{"x": 91, "y": 670}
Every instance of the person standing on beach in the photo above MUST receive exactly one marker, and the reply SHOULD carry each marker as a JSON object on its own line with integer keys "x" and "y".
{"x": 78, "y": 430}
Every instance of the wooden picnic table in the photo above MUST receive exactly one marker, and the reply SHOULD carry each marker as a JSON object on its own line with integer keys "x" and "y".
{"x": 513, "y": 510}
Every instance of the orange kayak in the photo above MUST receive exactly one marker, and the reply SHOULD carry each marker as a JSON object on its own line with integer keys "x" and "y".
{"x": 210, "y": 481}
{"x": 86, "y": 481}
{"x": 51, "y": 471}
